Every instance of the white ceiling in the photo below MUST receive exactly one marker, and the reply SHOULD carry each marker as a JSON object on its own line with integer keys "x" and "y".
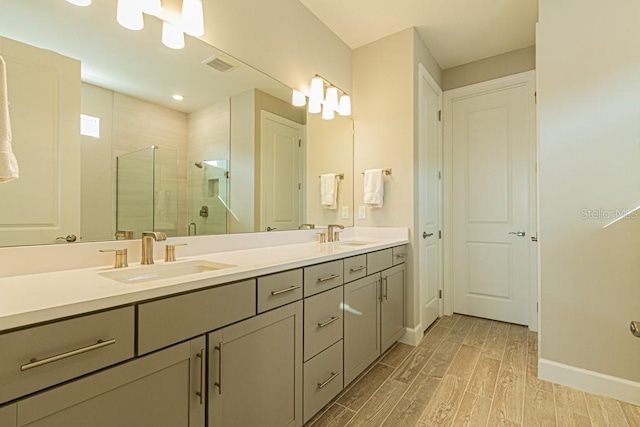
{"x": 455, "y": 31}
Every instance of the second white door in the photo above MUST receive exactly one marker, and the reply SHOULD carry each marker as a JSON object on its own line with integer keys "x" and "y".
{"x": 491, "y": 138}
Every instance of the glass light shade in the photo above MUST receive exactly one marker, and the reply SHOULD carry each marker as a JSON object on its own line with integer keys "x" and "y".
{"x": 80, "y": 2}
{"x": 192, "y": 17}
{"x": 315, "y": 106}
{"x": 129, "y": 14}
{"x": 345, "y": 105}
{"x": 152, "y": 7}
{"x": 327, "y": 112}
{"x": 172, "y": 36}
{"x": 298, "y": 99}
{"x": 332, "y": 98}
{"x": 317, "y": 90}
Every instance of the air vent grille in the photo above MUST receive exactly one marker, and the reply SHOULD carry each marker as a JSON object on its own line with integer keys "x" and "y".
{"x": 221, "y": 64}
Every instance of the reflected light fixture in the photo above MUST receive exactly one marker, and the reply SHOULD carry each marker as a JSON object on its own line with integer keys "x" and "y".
{"x": 151, "y": 7}
{"x": 318, "y": 102}
{"x": 193, "y": 17}
{"x": 80, "y": 2}
{"x": 172, "y": 36}
{"x": 129, "y": 14}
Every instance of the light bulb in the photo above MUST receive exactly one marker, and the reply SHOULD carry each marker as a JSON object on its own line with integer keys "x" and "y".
{"x": 315, "y": 106}
{"x": 298, "y": 99}
{"x": 129, "y": 14}
{"x": 172, "y": 36}
{"x": 80, "y": 2}
{"x": 316, "y": 92}
{"x": 327, "y": 112}
{"x": 332, "y": 98}
{"x": 345, "y": 105}
{"x": 193, "y": 17}
{"x": 152, "y": 7}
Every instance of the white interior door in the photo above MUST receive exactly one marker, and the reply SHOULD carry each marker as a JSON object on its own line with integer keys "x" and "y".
{"x": 491, "y": 136}
{"x": 429, "y": 247}
{"x": 281, "y": 185}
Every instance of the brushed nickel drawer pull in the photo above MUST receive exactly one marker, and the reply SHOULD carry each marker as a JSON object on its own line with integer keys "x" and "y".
{"x": 328, "y": 322}
{"x": 284, "y": 291}
{"x": 354, "y": 269}
{"x": 34, "y": 363}
{"x": 333, "y": 376}
{"x": 324, "y": 279}
{"x": 401, "y": 255}
{"x": 203, "y": 367}
{"x": 219, "y": 383}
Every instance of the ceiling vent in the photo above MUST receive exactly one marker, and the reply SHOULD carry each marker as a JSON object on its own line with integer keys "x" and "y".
{"x": 221, "y": 63}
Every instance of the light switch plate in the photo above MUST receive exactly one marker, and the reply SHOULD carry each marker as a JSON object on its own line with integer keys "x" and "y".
{"x": 345, "y": 212}
{"x": 362, "y": 212}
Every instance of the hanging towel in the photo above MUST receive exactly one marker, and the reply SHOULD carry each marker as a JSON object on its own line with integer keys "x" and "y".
{"x": 8, "y": 163}
{"x": 329, "y": 191}
{"x": 373, "y": 188}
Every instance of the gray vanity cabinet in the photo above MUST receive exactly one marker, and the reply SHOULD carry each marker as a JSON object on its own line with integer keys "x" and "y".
{"x": 361, "y": 325}
{"x": 392, "y": 325}
{"x": 161, "y": 389}
{"x": 255, "y": 371}
{"x": 8, "y": 416}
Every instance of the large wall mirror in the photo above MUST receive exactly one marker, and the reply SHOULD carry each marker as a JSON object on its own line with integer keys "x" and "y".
{"x": 232, "y": 156}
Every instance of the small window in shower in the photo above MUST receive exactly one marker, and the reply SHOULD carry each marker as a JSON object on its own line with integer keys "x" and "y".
{"x": 89, "y": 126}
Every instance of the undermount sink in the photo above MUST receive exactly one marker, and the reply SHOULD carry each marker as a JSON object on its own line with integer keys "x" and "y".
{"x": 163, "y": 271}
{"x": 354, "y": 243}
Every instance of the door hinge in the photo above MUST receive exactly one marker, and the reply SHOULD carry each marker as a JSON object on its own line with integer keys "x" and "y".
{"x": 439, "y": 174}
{"x": 439, "y": 115}
{"x": 440, "y": 294}
{"x": 299, "y": 186}
{"x": 537, "y": 307}
{"x": 535, "y": 97}
{"x": 227, "y": 174}
{"x": 299, "y": 143}
{"x": 439, "y": 234}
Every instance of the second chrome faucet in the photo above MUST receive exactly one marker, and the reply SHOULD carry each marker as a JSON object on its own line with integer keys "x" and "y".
{"x": 148, "y": 237}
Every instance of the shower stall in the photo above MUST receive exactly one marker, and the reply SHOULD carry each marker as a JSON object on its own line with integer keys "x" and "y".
{"x": 208, "y": 188}
{"x": 147, "y": 191}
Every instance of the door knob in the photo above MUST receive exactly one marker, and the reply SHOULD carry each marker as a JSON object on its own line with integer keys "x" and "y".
{"x": 70, "y": 238}
{"x": 425, "y": 235}
{"x": 635, "y": 328}
{"x": 518, "y": 233}
{"x": 271, "y": 228}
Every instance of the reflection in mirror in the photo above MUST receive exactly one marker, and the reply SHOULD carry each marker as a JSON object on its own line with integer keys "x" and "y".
{"x": 233, "y": 156}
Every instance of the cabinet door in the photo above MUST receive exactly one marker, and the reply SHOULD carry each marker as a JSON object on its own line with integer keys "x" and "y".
{"x": 8, "y": 416}
{"x": 255, "y": 371}
{"x": 155, "y": 390}
{"x": 361, "y": 325}
{"x": 392, "y": 305}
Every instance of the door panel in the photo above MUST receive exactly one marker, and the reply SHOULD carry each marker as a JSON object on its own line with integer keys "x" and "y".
{"x": 392, "y": 306}
{"x": 491, "y": 146}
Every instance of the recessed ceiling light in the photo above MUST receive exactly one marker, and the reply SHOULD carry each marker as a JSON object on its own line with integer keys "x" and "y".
{"x": 178, "y": 97}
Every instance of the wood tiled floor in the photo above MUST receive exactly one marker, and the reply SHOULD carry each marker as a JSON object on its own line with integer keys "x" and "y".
{"x": 469, "y": 372}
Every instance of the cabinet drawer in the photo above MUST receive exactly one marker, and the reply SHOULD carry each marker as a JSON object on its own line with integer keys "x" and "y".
{"x": 322, "y": 321}
{"x": 322, "y": 277}
{"x": 399, "y": 254}
{"x": 279, "y": 289}
{"x": 174, "y": 319}
{"x": 63, "y": 350}
{"x": 379, "y": 260}
{"x": 355, "y": 268}
{"x": 322, "y": 379}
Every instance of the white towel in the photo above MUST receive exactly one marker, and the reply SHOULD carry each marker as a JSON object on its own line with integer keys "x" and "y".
{"x": 8, "y": 163}
{"x": 373, "y": 188}
{"x": 329, "y": 191}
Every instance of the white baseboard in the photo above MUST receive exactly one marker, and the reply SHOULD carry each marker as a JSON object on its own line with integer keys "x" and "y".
{"x": 412, "y": 336}
{"x": 590, "y": 381}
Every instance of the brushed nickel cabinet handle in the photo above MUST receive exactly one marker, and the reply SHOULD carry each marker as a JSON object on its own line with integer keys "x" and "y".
{"x": 284, "y": 291}
{"x": 328, "y": 322}
{"x": 401, "y": 255}
{"x": 333, "y": 376}
{"x": 324, "y": 279}
{"x": 203, "y": 362}
{"x": 354, "y": 269}
{"x": 34, "y": 363}
{"x": 219, "y": 383}
{"x": 386, "y": 288}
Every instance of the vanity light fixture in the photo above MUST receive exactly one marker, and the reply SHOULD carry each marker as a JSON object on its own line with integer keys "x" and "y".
{"x": 193, "y": 17}
{"x": 80, "y": 2}
{"x": 151, "y": 7}
{"x": 335, "y": 100}
{"x": 129, "y": 14}
{"x": 172, "y": 36}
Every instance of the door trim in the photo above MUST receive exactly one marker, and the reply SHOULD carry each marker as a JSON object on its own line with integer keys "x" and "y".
{"x": 420, "y": 269}
{"x": 521, "y": 79}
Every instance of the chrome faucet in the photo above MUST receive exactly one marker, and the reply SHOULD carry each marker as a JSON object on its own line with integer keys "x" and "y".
{"x": 331, "y": 235}
{"x": 148, "y": 238}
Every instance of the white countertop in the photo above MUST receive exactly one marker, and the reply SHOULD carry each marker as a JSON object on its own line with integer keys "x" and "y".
{"x": 36, "y": 298}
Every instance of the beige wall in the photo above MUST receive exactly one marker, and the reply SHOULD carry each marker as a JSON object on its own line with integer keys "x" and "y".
{"x": 589, "y": 114}
{"x": 507, "y": 64}
{"x": 279, "y": 37}
{"x": 385, "y": 76}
